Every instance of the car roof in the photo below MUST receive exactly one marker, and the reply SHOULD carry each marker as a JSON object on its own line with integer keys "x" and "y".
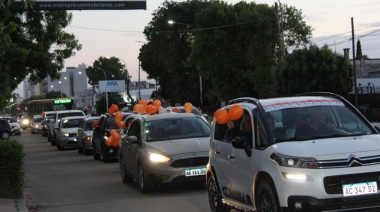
{"x": 93, "y": 118}
{"x": 168, "y": 116}
{"x": 74, "y": 117}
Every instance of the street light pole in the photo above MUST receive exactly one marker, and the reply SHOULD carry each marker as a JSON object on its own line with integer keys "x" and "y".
{"x": 105, "y": 78}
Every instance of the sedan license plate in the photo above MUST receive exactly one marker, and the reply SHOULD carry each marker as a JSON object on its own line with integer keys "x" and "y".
{"x": 359, "y": 188}
{"x": 195, "y": 172}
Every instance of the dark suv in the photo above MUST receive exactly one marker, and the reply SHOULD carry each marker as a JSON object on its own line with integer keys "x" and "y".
{"x": 5, "y": 129}
{"x": 103, "y": 131}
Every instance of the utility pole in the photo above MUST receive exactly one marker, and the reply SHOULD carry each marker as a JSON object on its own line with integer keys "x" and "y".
{"x": 280, "y": 34}
{"x": 354, "y": 62}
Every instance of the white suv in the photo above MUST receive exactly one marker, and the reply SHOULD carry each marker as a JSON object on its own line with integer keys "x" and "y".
{"x": 311, "y": 152}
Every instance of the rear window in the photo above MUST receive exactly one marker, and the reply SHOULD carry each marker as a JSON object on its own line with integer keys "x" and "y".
{"x": 62, "y": 115}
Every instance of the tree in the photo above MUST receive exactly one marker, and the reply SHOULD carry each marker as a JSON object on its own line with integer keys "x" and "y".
{"x": 231, "y": 47}
{"x": 313, "y": 69}
{"x": 33, "y": 44}
{"x": 105, "y": 69}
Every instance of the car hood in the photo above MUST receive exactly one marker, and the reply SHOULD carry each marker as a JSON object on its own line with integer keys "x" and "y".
{"x": 88, "y": 132}
{"x": 70, "y": 130}
{"x": 180, "y": 146}
{"x": 331, "y": 148}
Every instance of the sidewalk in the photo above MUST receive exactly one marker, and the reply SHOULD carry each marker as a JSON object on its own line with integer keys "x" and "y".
{"x": 13, "y": 205}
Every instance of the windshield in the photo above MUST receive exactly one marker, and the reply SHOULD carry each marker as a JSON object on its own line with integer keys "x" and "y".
{"x": 312, "y": 121}
{"x": 71, "y": 123}
{"x": 175, "y": 128}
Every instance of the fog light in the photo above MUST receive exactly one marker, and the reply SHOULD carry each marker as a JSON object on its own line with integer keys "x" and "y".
{"x": 298, "y": 205}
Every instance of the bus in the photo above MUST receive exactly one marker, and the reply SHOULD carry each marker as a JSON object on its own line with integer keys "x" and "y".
{"x": 36, "y": 107}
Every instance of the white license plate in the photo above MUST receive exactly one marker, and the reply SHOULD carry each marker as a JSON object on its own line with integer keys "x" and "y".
{"x": 195, "y": 172}
{"x": 359, "y": 189}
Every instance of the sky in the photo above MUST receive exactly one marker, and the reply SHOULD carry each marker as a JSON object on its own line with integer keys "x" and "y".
{"x": 120, "y": 33}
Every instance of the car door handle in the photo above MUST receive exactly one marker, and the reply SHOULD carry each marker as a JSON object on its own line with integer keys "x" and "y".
{"x": 231, "y": 156}
{"x": 217, "y": 152}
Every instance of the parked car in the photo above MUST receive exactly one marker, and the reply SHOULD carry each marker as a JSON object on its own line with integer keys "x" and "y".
{"x": 101, "y": 133}
{"x": 181, "y": 109}
{"x": 36, "y": 124}
{"x": 166, "y": 148}
{"x": 14, "y": 125}
{"x": 84, "y": 135}
{"x": 67, "y": 130}
{"x": 53, "y": 124}
{"x": 321, "y": 155}
{"x": 49, "y": 115}
{"x": 5, "y": 129}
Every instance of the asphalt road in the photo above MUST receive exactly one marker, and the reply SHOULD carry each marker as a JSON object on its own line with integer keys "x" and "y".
{"x": 68, "y": 181}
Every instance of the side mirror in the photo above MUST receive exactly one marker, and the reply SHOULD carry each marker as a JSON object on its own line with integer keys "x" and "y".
{"x": 242, "y": 143}
{"x": 205, "y": 115}
{"x": 133, "y": 139}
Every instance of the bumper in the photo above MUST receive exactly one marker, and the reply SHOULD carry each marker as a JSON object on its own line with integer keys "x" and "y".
{"x": 170, "y": 173}
{"x": 323, "y": 189}
{"x": 68, "y": 142}
{"x": 36, "y": 129}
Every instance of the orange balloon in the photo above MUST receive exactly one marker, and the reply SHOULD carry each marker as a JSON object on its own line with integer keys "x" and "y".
{"x": 110, "y": 111}
{"x": 109, "y": 141}
{"x": 121, "y": 124}
{"x": 113, "y": 132}
{"x": 142, "y": 102}
{"x": 42, "y": 114}
{"x": 114, "y": 107}
{"x": 150, "y": 109}
{"x": 235, "y": 112}
{"x": 94, "y": 123}
{"x": 142, "y": 109}
{"x": 221, "y": 116}
{"x": 136, "y": 108}
{"x": 118, "y": 116}
{"x": 157, "y": 103}
{"x": 188, "y": 107}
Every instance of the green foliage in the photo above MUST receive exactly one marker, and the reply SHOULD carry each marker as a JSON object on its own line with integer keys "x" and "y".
{"x": 11, "y": 169}
{"x": 27, "y": 39}
{"x": 313, "y": 69}
{"x": 231, "y": 47}
{"x": 113, "y": 98}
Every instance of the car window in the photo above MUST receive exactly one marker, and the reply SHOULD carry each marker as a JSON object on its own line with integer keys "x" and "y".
{"x": 134, "y": 129}
{"x": 111, "y": 124}
{"x": 88, "y": 125}
{"x": 71, "y": 123}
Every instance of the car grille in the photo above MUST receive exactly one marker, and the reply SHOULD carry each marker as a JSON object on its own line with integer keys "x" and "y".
{"x": 334, "y": 184}
{"x": 351, "y": 161}
{"x": 190, "y": 162}
{"x": 72, "y": 134}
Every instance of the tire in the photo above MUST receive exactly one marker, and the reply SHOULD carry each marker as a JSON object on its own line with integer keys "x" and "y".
{"x": 96, "y": 155}
{"x": 215, "y": 197}
{"x": 5, "y": 135}
{"x": 106, "y": 157}
{"x": 125, "y": 178}
{"x": 145, "y": 181}
{"x": 80, "y": 149}
{"x": 266, "y": 200}
{"x": 85, "y": 151}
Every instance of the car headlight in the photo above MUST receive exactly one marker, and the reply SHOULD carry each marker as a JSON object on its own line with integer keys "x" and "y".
{"x": 157, "y": 158}
{"x": 25, "y": 121}
{"x": 63, "y": 134}
{"x": 88, "y": 138}
{"x": 297, "y": 162}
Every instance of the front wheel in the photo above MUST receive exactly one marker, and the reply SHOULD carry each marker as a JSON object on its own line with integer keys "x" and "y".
{"x": 145, "y": 181}
{"x": 266, "y": 199}
{"x": 215, "y": 197}
{"x": 5, "y": 135}
{"x": 124, "y": 173}
{"x": 96, "y": 155}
